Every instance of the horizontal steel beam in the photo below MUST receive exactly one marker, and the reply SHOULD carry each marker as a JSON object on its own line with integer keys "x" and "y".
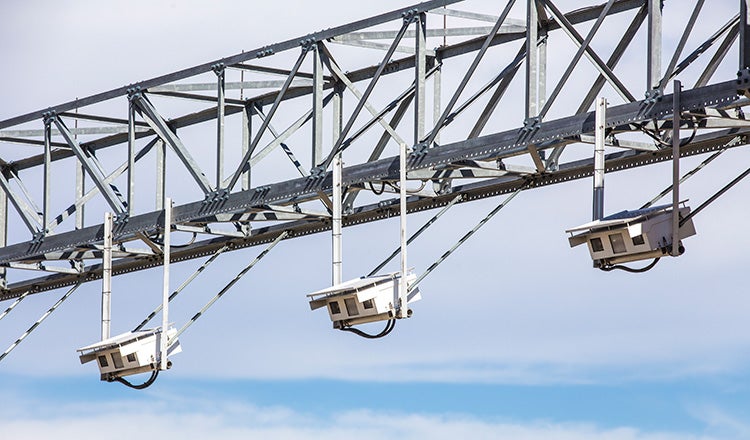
{"x": 491, "y": 147}
{"x": 229, "y": 61}
{"x": 475, "y": 191}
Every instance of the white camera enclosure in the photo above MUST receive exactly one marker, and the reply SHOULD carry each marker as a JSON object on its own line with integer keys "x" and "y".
{"x": 631, "y": 235}
{"x": 129, "y": 353}
{"x": 362, "y": 300}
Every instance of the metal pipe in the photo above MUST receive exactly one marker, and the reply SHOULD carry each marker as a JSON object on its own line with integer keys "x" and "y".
{"x": 165, "y": 283}
{"x": 107, "y": 277}
{"x": 336, "y": 226}
{"x": 599, "y": 166}
{"x": 402, "y": 308}
{"x": 676, "y": 168}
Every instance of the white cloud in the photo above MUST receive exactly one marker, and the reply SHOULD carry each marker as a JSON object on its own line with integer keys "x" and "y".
{"x": 196, "y": 419}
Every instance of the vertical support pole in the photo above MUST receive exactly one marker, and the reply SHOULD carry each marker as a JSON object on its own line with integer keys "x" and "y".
{"x": 247, "y": 126}
{"x": 107, "y": 277}
{"x": 165, "y": 285}
{"x": 47, "y": 182}
{"x": 437, "y": 94}
{"x": 3, "y": 233}
{"x": 402, "y": 310}
{"x": 80, "y": 190}
{"x": 131, "y": 159}
{"x": 336, "y": 227}
{"x": 542, "y": 71}
{"x": 161, "y": 173}
{"x": 317, "y": 122}
{"x": 653, "y": 68}
{"x": 80, "y": 186}
{"x": 676, "y": 169}
{"x": 220, "y": 77}
{"x": 420, "y": 71}
{"x": 532, "y": 59}
{"x": 744, "y": 34}
{"x": 599, "y": 166}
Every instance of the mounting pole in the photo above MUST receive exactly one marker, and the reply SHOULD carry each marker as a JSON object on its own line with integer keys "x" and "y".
{"x": 336, "y": 226}
{"x": 402, "y": 308}
{"x": 677, "y": 86}
{"x": 107, "y": 277}
{"x": 599, "y": 167}
{"x": 165, "y": 286}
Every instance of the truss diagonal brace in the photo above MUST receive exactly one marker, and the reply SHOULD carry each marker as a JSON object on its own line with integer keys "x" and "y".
{"x": 604, "y": 70}
{"x": 114, "y": 201}
{"x": 338, "y": 145}
{"x": 29, "y": 217}
{"x": 264, "y": 125}
{"x": 159, "y": 125}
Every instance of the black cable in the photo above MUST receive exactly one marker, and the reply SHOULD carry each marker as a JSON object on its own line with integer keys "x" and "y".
{"x": 160, "y": 242}
{"x": 630, "y": 269}
{"x": 382, "y": 188}
{"x": 144, "y": 385}
{"x": 388, "y": 328}
{"x": 655, "y": 135}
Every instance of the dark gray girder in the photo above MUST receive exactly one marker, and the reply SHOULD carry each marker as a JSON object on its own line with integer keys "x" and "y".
{"x": 394, "y": 66}
{"x": 474, "y": 191}
{"x": 229, "y": 61}
{"x": 490, "y": 147}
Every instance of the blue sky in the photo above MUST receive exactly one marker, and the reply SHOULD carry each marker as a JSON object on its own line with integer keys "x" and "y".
{"x": 516, "y": 337}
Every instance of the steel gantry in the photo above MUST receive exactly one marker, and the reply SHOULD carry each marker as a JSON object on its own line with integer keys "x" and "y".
{"x": 274, "y": 169}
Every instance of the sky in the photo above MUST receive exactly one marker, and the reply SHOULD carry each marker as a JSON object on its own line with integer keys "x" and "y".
{"x": 516, "y": 336}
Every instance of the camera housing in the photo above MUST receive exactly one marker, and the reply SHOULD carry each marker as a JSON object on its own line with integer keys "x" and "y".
{"x": 129, "y": 353}
{"x": 363, "y": 300}
{"x": 631, "y": 235}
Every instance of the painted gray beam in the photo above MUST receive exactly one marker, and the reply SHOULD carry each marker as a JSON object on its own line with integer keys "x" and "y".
{"x": 744, "y": 62}
{"x": 497, "y": 95}
{"x": 490, "y": 147}
{"x": 429, "y": 33}
{"x": 93, "y": 171}
{"x": 231, "y": 60}
{"x": 532, "y": 60}
{"x": 476, "y": 16}
{"x": 719, "y": 56}
{"x": 162, "y": 129}
{"x": 670, "y": 72}
{"x": 588, "y": 100}
{"x": 220, "y": 71}
{"x": 264, "y": 125}
{"x": 338, "y": 73}
{"x": 338, "y": 145}
{"x": 598, "y": 63}
{"x": 473, "y": 191}
{"x": 317, "y": 107}
{"x": 575, "y": 17}
{"x": 420, "y": 73}
{"x": 472, "y": 68}
{"x": 30, "y": 217}
{"x": 653, "y": 51}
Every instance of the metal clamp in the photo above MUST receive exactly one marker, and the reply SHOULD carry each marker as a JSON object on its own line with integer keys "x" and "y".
{"x": 653, "y": 96}
{"x": 218, "y": 68}
{"x": 308, "y": 44}
{"x": 410, "y": 15}
{"x": 135, "y": 93}
{"x": 531, "y": 124}
{"x": 264, "y": 53}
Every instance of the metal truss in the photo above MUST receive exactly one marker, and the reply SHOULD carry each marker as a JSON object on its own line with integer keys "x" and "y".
{"x": 280, "y": 129}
